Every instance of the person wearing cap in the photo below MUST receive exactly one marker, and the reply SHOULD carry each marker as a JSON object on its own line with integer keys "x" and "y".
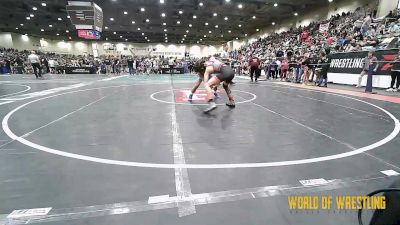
{"x": 370, "y": 59}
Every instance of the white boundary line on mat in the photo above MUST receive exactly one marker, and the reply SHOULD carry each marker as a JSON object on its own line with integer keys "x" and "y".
{"x": 379, "y": 143}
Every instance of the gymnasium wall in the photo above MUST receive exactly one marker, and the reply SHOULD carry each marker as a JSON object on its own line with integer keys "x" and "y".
{"x": 6, "y": 40}
{"x": 385, "y": 6}
{"x": 22, "y": 42}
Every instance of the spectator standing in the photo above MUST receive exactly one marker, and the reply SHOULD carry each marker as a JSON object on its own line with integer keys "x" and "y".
{"x": 254, "y": 64}
{"x": 324, "y": 63}
{"x": 19, "y": 64}
{"x": 45, "y": 63}
{"x": 395, "y": 74}
{"x": 299, "y": 70}
{"x": 131, "y": 63}
{"x": 117, "y": 67}
{"x": 284, "y": 68}
{"x": 273, "y": 69}
{"x": 278, "y": 71}
{"x": 171, "y": 64}
{"x": 108, "y": 63}
{"x": 369, "y": 60}
{"x": 306, "y": 68}
{"x": 7, "y": 66}
{"x": 52, "y": 66}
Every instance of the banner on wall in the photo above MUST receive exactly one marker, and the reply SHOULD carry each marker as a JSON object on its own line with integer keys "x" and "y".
{"x": 324, "y": 27}
{"x": 168, "y": 54}
{"x": 352, "y": 62}
{"x": 141, "y": 51}
{"x": 108, "y": 46}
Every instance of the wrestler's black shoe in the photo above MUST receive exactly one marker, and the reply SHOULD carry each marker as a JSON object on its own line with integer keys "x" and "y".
{"x": 231, "y": 103}
{"x": 211, "y": 106}
{"x": 190, "y": 98}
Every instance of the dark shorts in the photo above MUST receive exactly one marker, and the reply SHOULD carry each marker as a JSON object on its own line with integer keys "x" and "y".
{"x": 227, "y": 74}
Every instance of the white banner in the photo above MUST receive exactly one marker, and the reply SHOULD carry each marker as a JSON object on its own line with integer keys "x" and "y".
{"x": 323, "y": 27}
{"x": 141, "y": 51}
{"x": 167, "y": 54}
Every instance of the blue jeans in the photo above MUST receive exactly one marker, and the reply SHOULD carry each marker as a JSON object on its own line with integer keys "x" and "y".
{"x": 299, "y": 73}
{"x": 132, "y": 70}
{"x": 324, "y": 81}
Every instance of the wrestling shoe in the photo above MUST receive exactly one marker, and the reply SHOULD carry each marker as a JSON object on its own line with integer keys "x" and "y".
{"x": 190, "y": 98}
{"x": 211, "y": 107}
{"x": 231, "y": 104}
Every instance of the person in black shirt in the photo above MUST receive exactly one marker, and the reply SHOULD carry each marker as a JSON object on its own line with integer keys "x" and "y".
{"x": 117, "y": 67}
{"x": 279, "y": 54}
{"x": 107, "y": 61}
{"x": 190, "y": 66}
{"x": 130, "y": 65}
{"x": 395, "y": 73}
{"x": 314, "y": 62}
{"x": 20, "y": 65}
{"x": 46, "y": 64}
{"x": 324, "y": 63}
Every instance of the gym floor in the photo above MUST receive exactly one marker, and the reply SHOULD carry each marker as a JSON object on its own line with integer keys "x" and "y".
{"x": 132, "y": 150}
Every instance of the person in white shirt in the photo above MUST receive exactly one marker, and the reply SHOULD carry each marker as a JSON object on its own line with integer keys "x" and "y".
{"x": 366, "y": 24}
{"x": 279, "y": 63}
{"x": 33, "y": 59}
{"x": 171, "y": 63}
{"x": 52, "y": 66}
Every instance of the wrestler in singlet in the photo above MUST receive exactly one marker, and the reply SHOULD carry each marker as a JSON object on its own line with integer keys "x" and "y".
{"x": 213, "y": 72}
{"x": 222, "y": 71}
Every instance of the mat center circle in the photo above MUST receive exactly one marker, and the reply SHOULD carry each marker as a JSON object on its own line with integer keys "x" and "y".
{"x": 181, "y": 96}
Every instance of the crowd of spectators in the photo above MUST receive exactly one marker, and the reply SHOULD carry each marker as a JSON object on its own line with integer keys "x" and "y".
{"x": 141, "y": 65}
{"x": 13, "y": 61}
{"x": 301, "y": 47}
